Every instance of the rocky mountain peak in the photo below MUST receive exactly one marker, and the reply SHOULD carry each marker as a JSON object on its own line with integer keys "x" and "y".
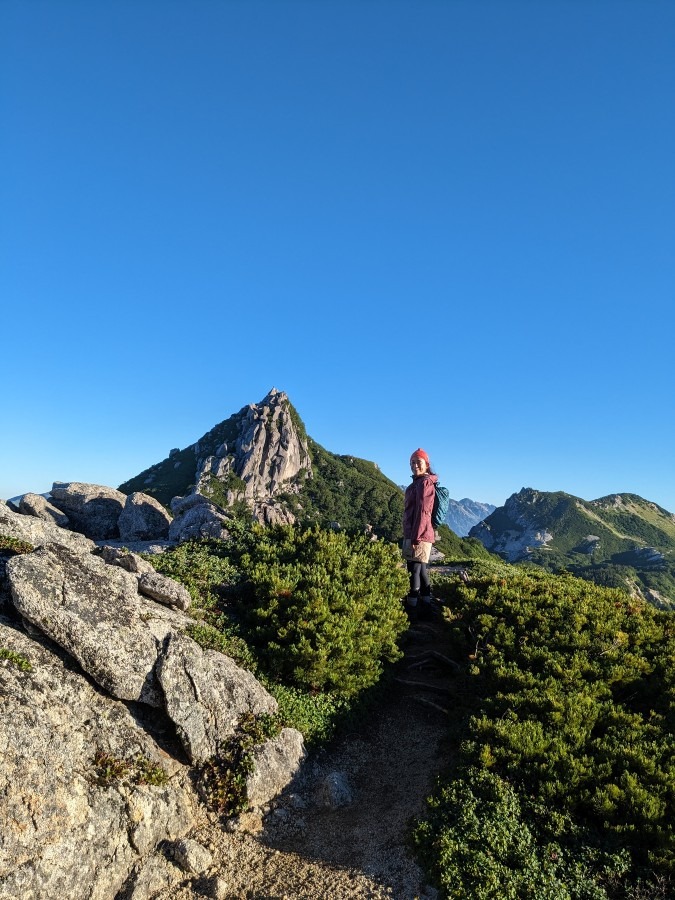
{"x": 267, "y": 456}
{"x": 255, "y": 457}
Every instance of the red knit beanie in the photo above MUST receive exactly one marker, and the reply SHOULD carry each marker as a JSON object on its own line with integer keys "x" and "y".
{"x": 420, "y": 454}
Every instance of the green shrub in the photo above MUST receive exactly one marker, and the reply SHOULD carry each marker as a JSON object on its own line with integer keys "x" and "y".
{"x": 574, "y": 709}
{"x": 323, "y": 608}
{"x": 203, "y": 566}
{"x": 479, "y": 846}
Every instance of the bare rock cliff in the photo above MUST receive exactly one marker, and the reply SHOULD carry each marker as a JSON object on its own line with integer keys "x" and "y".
{"x": 268, "y": 457}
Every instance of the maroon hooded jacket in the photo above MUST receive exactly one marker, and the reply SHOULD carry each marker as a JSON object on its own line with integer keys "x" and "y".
{"x": 419, "y": 502}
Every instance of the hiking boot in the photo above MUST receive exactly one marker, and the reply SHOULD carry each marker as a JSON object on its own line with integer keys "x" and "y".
{"x": 428, "y": 608}
{"x": 412, "y": 605}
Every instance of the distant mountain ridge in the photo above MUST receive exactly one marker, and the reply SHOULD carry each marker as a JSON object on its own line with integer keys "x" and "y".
{"x": 619, "y": 540}
{"x": 262, "y": 461}
{"x": 464, "y": 514}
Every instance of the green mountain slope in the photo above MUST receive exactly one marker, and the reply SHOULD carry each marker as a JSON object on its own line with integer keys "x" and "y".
{"x": 176, "y": 475}
{"x": 621, "y": 540}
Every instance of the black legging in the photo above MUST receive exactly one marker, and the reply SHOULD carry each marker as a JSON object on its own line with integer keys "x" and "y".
{"x": 420, "y": 584}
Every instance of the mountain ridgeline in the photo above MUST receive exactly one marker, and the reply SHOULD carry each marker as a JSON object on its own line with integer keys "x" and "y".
{"x": 261, "y": 461}
{"x": 618, "y": 541}
{"x": 464, "y": 514}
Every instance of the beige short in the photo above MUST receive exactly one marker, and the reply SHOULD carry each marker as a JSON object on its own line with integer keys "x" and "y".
{"x": 420, "y": 553}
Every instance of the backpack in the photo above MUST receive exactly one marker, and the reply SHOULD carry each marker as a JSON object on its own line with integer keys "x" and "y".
{"x": 441, "y": 506}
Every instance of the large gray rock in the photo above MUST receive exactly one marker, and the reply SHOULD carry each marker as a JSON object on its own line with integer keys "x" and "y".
{"x": 196, "y": 517}
{"x": 143, "y": 519}
{"x": 94, "y": 611}
{"x": 276, "y": 763}
{"x": 38, "y": 506}
{"x": 68, "y": 831}
{"x": 38, "y": 531}
{"x": 150, "y": 582}
{"x": 206, "y": 694}
{"x": 164, "y": 590}
{"x": 92, "y": 509}
{"x": 125, "y": 559}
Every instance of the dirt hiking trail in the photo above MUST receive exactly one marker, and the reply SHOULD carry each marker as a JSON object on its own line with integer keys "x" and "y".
{"x": 357, "y": 846}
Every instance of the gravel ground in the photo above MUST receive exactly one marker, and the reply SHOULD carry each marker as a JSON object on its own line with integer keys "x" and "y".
{"x": 343, "y": 833}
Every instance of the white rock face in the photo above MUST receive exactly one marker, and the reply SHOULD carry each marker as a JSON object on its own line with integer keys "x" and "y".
{"x": 267, "y": 458}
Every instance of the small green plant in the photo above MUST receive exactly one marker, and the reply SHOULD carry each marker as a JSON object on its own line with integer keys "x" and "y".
{"x": 14, "y": 546}
{"x": 16, "y": 659}
{"x": 222, "y": 779}
{"x": 313, "y": 714}
{"x": 111, "y": 769}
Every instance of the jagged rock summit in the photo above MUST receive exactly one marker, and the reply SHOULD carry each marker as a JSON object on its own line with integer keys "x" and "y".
{"x": 257, "y": 457}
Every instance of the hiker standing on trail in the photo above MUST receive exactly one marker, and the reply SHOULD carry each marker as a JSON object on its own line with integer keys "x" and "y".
{"x": 418, "y": 533}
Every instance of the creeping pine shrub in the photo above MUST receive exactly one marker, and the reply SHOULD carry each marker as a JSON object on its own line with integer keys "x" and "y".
{"x": 323, "y": 607}
{"x": 572, "y": 737}
{"x": 478, "y": 845}
{"x": 203, "y": 566}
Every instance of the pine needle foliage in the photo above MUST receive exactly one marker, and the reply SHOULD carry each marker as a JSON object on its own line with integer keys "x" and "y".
{"x": 315, "y": 615}
{"x": 572, "y": 738}
{"x": 323, "y": 607}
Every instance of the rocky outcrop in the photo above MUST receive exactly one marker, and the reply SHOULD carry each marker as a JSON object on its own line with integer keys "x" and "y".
{"x": 266, "y": 458}
{"x": 107, "y": 703}
{"x": 143, "y": 519}
{"x": 38, "y": 506}
{"x": 256, "y": 457}
{"x": 92, "y": 509}
{"x": 78, "y": 811}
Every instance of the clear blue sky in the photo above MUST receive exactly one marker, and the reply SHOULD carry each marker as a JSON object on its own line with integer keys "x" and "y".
{"x": 437, "y": 224}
